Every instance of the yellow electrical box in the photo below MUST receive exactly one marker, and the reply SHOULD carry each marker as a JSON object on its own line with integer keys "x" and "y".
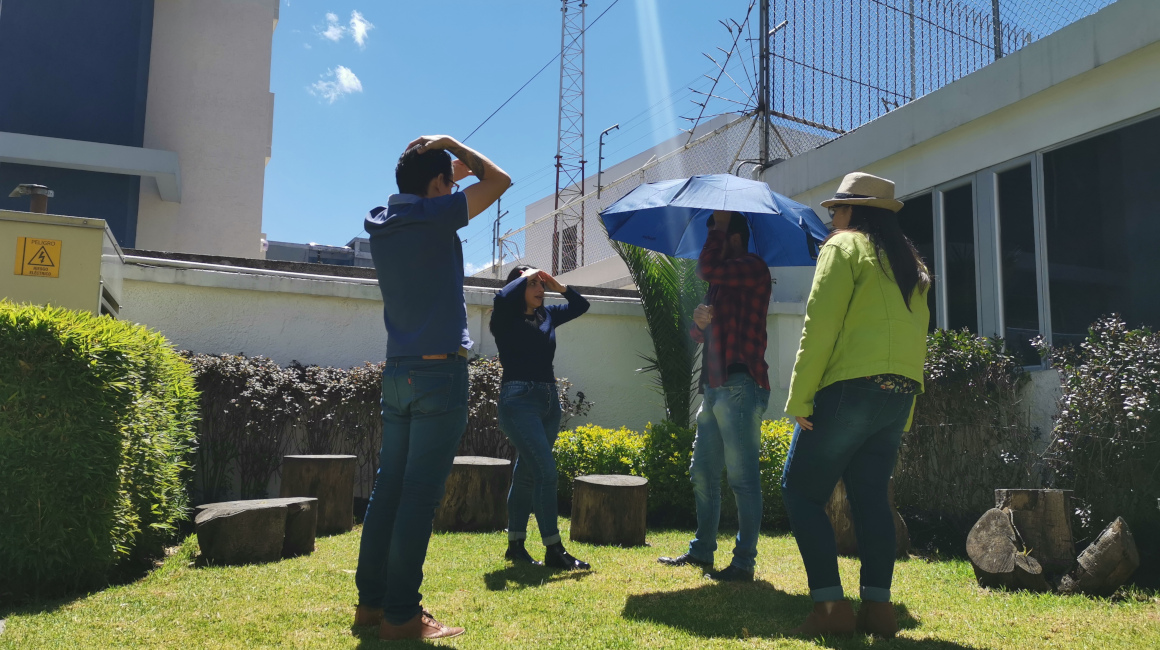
{"x": 70, "y": 262}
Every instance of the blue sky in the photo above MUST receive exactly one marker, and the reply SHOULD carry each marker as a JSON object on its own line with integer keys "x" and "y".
{"x": 356, "y": 81}
{"x": 429, "y": 68}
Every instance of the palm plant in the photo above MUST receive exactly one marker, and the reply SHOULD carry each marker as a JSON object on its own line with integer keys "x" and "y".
{"x": 669, "y": 292}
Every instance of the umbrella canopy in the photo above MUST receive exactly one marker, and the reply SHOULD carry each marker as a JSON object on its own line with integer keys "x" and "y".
{"x": 671, "y": 217}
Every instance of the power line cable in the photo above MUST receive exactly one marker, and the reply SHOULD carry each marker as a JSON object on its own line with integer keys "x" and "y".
{"x": 550, "y": 62}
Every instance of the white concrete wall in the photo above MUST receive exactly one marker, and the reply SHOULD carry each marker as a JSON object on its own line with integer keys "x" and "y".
{"x": 338, "y": 322}
{"x": 210, "y": 101}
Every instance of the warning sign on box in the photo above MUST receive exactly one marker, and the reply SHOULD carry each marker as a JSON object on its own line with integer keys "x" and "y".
{"x": 38, "y": 257}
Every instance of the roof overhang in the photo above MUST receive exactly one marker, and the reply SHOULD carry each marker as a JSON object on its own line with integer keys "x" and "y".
{"x": 22, "y": 149}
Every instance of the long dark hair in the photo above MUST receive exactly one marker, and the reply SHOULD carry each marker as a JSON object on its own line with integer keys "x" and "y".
{"x": 515, "y": 273}
{"x": 881, "y": 227}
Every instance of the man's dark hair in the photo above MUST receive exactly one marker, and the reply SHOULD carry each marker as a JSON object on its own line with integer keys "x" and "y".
{"x": 739, "y": 225}
{"x": 416, "y": 170}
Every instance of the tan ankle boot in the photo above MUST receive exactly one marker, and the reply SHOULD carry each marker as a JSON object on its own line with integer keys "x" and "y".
{"x": 830, "y": 618}
{"x": 368, "y": 616}
{"x": 878, "y": 619}
{"x": 423, "y": 626}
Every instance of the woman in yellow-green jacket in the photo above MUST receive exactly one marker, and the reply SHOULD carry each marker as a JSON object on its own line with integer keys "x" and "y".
{"x": 858, "y": 370}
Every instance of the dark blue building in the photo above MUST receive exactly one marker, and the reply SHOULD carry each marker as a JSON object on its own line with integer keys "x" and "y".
{"x": 76, "y": 70}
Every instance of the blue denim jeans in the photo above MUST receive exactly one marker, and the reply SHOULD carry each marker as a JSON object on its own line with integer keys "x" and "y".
{"x": 857, "y": 431}
{"x": 529, "y": 415}
{"x": 729, "y": 438}
{"x": 424, "y": 416}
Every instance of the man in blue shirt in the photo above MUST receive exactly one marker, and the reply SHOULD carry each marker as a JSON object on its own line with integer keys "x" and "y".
{"x": 419, "y": 262}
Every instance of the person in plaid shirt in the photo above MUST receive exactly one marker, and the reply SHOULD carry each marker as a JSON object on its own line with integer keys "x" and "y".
{"x": 735, "y": 383}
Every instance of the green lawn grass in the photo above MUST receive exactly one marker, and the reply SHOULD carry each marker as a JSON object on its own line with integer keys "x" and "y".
{"x": 627, "y": 601}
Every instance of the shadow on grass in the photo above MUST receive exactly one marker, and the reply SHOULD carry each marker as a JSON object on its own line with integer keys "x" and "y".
{"x": 368, "y": 637}
{"x": 30, "y": 606}
{"x": 756, "y": 609}
{"x": 54, "y": 597}
{"x": 522, "y": 576}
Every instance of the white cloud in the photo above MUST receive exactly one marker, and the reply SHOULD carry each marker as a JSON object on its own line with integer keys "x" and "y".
{"x": 333, "y": 31}
{"x": 336, "y": 83}
{"x": 472, "y": 269}
{"x": 359, "y": 27}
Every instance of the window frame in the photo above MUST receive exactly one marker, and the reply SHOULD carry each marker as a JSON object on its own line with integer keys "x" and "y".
{"x": 990, "y": 311}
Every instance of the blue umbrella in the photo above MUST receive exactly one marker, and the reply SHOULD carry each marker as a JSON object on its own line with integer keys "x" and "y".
{"x": 671, "y": 217}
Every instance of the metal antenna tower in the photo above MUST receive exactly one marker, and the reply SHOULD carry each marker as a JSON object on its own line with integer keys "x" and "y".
{"x": 568, "y": 224}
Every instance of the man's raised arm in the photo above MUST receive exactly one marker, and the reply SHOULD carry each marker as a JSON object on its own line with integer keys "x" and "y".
{"x": 492, "y": 181}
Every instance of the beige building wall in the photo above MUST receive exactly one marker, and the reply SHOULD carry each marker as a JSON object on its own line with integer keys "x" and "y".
{"x": 210, "y": 101}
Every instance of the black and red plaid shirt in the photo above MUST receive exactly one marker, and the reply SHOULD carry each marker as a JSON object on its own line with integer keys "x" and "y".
{"x": 739, "y": 290}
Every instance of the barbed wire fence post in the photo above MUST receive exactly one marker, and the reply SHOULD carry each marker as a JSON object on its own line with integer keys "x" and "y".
{"x": 814, "y": 94}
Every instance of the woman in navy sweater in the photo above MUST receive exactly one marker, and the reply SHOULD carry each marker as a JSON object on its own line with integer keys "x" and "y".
{"x": 529, "y": 405}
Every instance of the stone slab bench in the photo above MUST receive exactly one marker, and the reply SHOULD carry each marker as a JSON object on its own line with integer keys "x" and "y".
{"x": 257, "y": 530}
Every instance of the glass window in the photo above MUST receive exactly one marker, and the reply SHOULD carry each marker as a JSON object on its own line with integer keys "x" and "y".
{"x": 1103, "y": 225}
{"x": 1020, "y": 273}
{"x": 959, "y": 283}
{"x": 916, "y": 219}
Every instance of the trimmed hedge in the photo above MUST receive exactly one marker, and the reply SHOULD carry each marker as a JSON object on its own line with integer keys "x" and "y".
{"x": 96, "y": 428}
{"x": 662, "y": 454}
{"x": 254, "y": 412}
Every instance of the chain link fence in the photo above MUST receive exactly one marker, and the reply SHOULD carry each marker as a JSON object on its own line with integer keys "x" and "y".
{"x": 836, "y": 65}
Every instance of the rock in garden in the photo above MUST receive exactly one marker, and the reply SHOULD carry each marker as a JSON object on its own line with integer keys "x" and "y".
{"x": 1106, "y": 564}
{"x": 998, "y": 557}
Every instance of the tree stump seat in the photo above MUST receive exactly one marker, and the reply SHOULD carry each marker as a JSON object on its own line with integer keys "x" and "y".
{"x": 609, "y": 509}
{"x": 1043, "y": 521}
{"x": 257, "y": 530}
{"x": 842, "y": 519}
{"x": 1106, "y": 564}
{"x": 475, "y": 498}
{"x": 1025, "y": 542}
{"x": 328, "y": 478}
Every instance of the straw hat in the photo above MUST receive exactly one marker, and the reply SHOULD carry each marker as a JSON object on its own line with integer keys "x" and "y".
{"x": 863, "y": 189}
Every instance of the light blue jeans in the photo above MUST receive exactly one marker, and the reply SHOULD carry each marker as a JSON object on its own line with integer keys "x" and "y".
{"x": 529, "y": 415}
{"x": 424, "y": 416}
{"x": 729, "y": 438}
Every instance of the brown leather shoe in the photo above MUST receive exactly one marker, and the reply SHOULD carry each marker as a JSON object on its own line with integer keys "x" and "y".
{"x": 830, "y": 618}
{"x": 877, "y": 619}
{"x": 368, "y": 616}
{"x": 423, "y": 626}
